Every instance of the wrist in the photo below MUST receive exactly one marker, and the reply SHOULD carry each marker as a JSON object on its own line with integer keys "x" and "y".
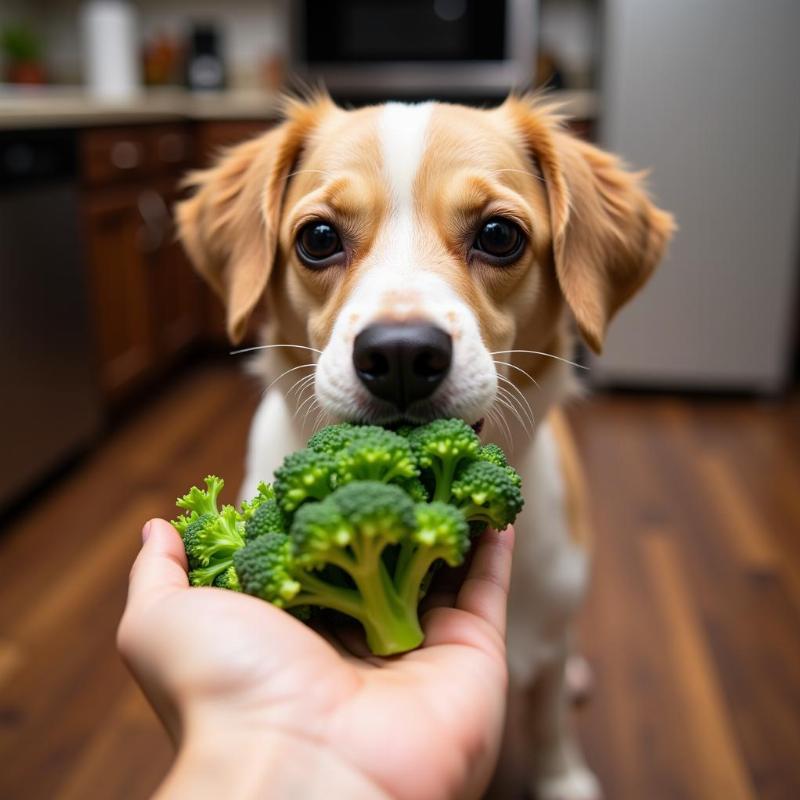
{"x": 238, "y": 764}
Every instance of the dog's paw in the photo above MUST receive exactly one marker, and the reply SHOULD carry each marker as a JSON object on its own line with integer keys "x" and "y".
{"x": 577, "y": 783}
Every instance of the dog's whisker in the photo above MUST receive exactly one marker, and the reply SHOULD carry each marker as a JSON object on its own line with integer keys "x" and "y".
{"x": 519, "y": 369}
{"x": 301, "y": 384}
{"x": 540, "y": 353}
{"x": 502, "y": 421}
{"x": 270, "y": 346}
{"x": 297, "y": 410}
{"x": 521, "y": 399}
{"x": 286, "y": 372}
{"x": 505, "y": 398}
{"x": 314, "y": 406}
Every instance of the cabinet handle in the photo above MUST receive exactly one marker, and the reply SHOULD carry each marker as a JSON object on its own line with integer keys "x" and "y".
{"x": 156, "y": 221}
{"x": 126, "y": 154}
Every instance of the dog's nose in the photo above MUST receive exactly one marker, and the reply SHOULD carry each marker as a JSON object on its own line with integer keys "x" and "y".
{"x": 401, "y": 363}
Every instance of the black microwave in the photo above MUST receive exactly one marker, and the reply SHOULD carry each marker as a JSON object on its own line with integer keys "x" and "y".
{"x": 479, "y": 47}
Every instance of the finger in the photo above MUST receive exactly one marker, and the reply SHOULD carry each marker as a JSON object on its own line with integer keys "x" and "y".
{"x": 484, "y": 592}
{"x": 160, "y": 566}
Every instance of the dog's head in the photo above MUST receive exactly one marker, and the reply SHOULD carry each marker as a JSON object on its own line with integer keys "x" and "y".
{"x": 410, "y": 244}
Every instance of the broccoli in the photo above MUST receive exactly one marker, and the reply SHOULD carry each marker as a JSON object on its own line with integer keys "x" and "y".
{"x": 304, "y": 475}
{"x": 440, "y": 447}
{"x": 485, "y": 492}
{"x": 263, "y": 514}
{"x": 356, "y": 523}
{"x": 210, "y": 536}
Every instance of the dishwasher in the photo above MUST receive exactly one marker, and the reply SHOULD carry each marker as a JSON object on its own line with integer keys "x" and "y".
{"x": 49, "y": 399}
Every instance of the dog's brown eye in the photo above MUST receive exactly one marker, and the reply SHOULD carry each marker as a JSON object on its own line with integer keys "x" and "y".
{"x": 500, "y": 241}
{"x": 318, "y": 244}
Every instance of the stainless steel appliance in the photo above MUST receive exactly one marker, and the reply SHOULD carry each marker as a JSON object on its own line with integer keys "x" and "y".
{"x": 49, "y": 404}
{"x": 457, "y": 48}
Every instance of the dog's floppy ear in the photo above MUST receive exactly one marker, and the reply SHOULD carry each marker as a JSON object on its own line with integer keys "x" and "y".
{"x": 229, "y": 226}
{"x": 608, "y": 236}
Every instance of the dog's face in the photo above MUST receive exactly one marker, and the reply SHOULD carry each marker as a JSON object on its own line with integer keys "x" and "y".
{"x": 411, "y": 244}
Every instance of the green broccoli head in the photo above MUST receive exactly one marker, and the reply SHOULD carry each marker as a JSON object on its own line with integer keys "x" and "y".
{"x": 189, "y": 536}
{"x": 375, "y": 454}
{"x": 440, "y": 448}
{"x": 263, "y": 567}
{"x": 304, "y": 475}
{"x": 370, "y": 514}
{"x": 442, "y": 528}
{"x": 352, "y": 526}
{"x": 332, "y": 439}
{"x": 228, "y": 580}
{"x": 198, "y": 502}
{"x": 210, "y": 536}
{"x": 493, "y": 453}
{"x": 267, "y": 518}
{"x": 486, "y": 492}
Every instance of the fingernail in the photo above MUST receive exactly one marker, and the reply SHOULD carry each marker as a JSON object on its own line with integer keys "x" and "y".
{"x": 146, "y": 530}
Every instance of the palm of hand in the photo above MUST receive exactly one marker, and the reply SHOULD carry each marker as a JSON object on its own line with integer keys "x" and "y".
{"x": 422, "y": 725}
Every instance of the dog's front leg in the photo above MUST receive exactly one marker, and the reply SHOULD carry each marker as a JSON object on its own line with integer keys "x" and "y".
{"x": 549, "y": 578}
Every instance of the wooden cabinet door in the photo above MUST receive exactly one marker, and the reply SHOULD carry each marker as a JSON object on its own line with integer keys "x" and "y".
{"x": 178, "y": 302}
{"x": 120, "y": 289}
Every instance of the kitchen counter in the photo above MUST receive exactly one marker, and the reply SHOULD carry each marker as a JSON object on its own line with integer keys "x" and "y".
{"x": 50, "y": 107}
{"x": 71, "y": 107}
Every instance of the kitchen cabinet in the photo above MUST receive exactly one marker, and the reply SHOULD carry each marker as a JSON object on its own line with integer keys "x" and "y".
{"x": 149, "y": 307}
{"x": 147, "y": 303}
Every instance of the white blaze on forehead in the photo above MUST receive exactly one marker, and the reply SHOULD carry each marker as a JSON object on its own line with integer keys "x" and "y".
{"x": 402, "y": 130}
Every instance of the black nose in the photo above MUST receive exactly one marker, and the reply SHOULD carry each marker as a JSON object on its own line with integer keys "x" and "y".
{"x": 401, "y": 363}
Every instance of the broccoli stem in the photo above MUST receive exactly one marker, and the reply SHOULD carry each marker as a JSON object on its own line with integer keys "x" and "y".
{"x": 444, "y": 479}
{"x": 412, "y": 571}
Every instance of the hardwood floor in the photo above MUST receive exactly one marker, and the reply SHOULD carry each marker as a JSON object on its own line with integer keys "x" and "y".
{"x": 692, "y": 624}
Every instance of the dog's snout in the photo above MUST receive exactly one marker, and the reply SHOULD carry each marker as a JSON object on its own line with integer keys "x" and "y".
{"x": 402, "y": 362}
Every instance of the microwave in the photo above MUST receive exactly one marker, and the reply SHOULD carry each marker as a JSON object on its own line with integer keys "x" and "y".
{"x": 478, "y": 48}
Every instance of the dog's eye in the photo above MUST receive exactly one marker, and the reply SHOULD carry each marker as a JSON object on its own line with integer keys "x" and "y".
{"x": 499, "y": 239}
{"x": 318, "y": 244}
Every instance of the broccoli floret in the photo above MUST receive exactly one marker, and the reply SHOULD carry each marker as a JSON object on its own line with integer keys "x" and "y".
{"x": 304, "y": 475}
{"x": 210, "y": 536}
{"x": 486, "y": 492}
{"x": 228, "y": 579}
{"x": 332, "y": 439}
{"x": 440, "y": 448}
{"x": 375, "y": 454}
{"x": 492, "y": 453}
{"x": 267, "y": 518}
{"x": 349, "y": 530}
{"x": 263, "y": 567}
{"x": 440, "y": 532}
{"x": 262, "y": 514}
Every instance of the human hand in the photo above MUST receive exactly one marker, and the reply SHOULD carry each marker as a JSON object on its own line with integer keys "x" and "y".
{"x": 262, "y": 704}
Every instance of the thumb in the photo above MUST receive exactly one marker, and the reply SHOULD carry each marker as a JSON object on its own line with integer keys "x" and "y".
{"x": 161, "y": 565}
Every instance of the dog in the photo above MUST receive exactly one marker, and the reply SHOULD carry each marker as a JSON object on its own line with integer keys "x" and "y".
{"x": 414, "y": 261}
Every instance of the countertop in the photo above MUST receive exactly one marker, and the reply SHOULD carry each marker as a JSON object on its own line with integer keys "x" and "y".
{"x": 71, "y": 107}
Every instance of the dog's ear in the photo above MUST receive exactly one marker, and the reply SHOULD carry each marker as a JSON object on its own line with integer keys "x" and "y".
{"x": 608, "y": 236}
{"x": 229, "y": 226}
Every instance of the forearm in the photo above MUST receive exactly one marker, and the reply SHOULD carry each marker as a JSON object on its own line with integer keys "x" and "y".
{"x": 218, "y": 764}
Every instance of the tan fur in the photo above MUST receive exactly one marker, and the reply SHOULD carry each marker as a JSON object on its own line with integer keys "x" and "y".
{"x": 608, "y": 236}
